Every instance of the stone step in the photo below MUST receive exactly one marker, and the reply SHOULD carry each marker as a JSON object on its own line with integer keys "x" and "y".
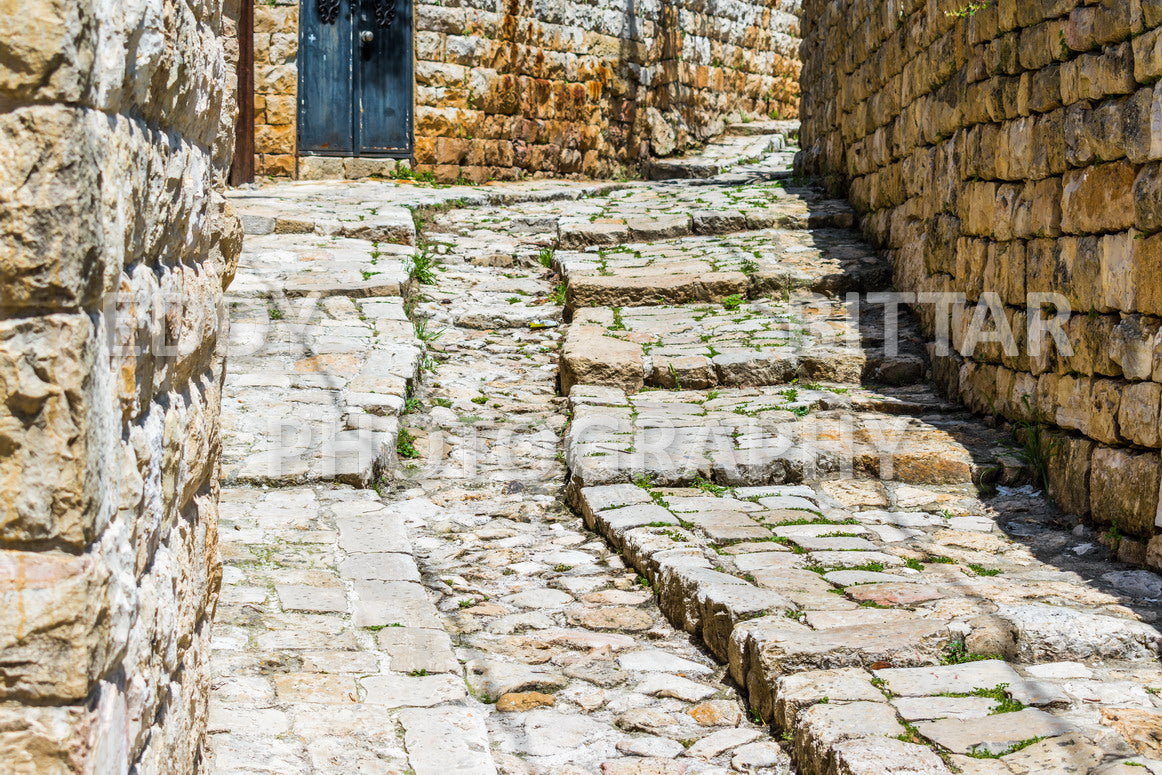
{"x": 885, "y": 688}
{"x": 294, "y": 265}
{"x": 767, "y": 435}
{"x": 786, "y": 128}
{"x": 391, "y": 225}
{"x": 662, "y": 222}
{"x": 807, "y": 338}
{"x": 720, "y": 155}
{"x": 759, "y": 264}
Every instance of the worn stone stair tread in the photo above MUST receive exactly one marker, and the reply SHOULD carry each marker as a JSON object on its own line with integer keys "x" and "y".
{"x": 721, "y": 154}
{"x": 760, "y": 436}
{"x": 806, "y": 338}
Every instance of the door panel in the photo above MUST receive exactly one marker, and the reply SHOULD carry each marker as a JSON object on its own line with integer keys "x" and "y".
{"x": 383, "y": 81}
{"x": 326, "y": 93}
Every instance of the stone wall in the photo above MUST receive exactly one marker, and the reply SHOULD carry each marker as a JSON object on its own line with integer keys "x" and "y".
{"x": 512, "y": 87}
{"x": 1012, "y": 146}
{"x": 115, "y": 245}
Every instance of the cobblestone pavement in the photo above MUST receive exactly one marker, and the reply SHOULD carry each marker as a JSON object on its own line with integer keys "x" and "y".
{"x": 714, "y": 524}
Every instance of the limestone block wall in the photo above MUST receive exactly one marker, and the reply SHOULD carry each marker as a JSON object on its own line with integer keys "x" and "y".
{"x": 568, "y": 87}
{"x": 115, "y": 245}
{"x": 1004, "y": 148}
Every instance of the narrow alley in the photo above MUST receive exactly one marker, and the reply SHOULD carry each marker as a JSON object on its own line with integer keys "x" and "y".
{"x": 573, "y": 477}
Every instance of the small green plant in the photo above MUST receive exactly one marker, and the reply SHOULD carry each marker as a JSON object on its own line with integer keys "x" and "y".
{"x": 479, "y": 400}
{"x": 911, "y": 734}
{"x": 618, "y": 323}
{"x": 557, "y": 295}
{"x": 914, "y": 564}
{"x": 1036, "y": 445}
{"x": 424, "y": 334}
{"x": 707, "y": 486}
{"x": 970, "y": 10}
{"x": 732, "y": 302}
{"x": 422, "y": 267}
{"x": 1113, "y": 536}
{"x": 980, "y": 753}
{"x": 562, "y": 567}
{"x": 466, "y": 603}
{"x": 405, "y": 444}
{"x": 956, "y": 653}
{"x": 980, "y": 570}
{"x": 273, "y": 311}
{"x": 545, "y": 257}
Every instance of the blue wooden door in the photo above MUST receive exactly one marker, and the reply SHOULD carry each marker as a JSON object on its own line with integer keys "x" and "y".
{"x": 355, "y": 78}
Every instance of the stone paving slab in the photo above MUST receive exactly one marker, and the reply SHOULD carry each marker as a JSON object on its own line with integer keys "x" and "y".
{"x": 315, "y": 387}
{"x": 804, "y": 338}
{"x": 301, "y": 683}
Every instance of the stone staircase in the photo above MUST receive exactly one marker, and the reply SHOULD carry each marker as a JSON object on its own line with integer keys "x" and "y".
{"x": 861, "y": 553}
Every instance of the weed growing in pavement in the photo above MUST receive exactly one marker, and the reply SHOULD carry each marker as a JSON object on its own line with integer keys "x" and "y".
{"x": 422, "y": 266}
{"x": 1036, "y": 445}
{"x": 956, "y": 653}
{"x": 732, "y": 302}
{"x": 424, "y": 334}
{"x": 405, "y": 444}
{"x": 618, "y": 323}
{"x": 1005, "y": 703}
{"x": 557, "y": 295}
{"x": 983, "y": 754}
{"x": 707, "y": 486}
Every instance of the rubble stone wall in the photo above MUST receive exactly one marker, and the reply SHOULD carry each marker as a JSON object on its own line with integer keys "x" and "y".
{"x": 1013, "y": 147}
{"x": 512, "y": 87}
{"x": 115, "y": 246}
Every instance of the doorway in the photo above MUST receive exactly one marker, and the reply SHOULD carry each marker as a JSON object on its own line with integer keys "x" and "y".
{"x": 356, "y": 79}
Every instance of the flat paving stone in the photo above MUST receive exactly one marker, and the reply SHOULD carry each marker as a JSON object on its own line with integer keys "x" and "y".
{"x": 993, "y": 734}
{"x": 923, "y": 681}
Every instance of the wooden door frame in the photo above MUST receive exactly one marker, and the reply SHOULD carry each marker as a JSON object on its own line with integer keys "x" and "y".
{"x": 242, "y": 167}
